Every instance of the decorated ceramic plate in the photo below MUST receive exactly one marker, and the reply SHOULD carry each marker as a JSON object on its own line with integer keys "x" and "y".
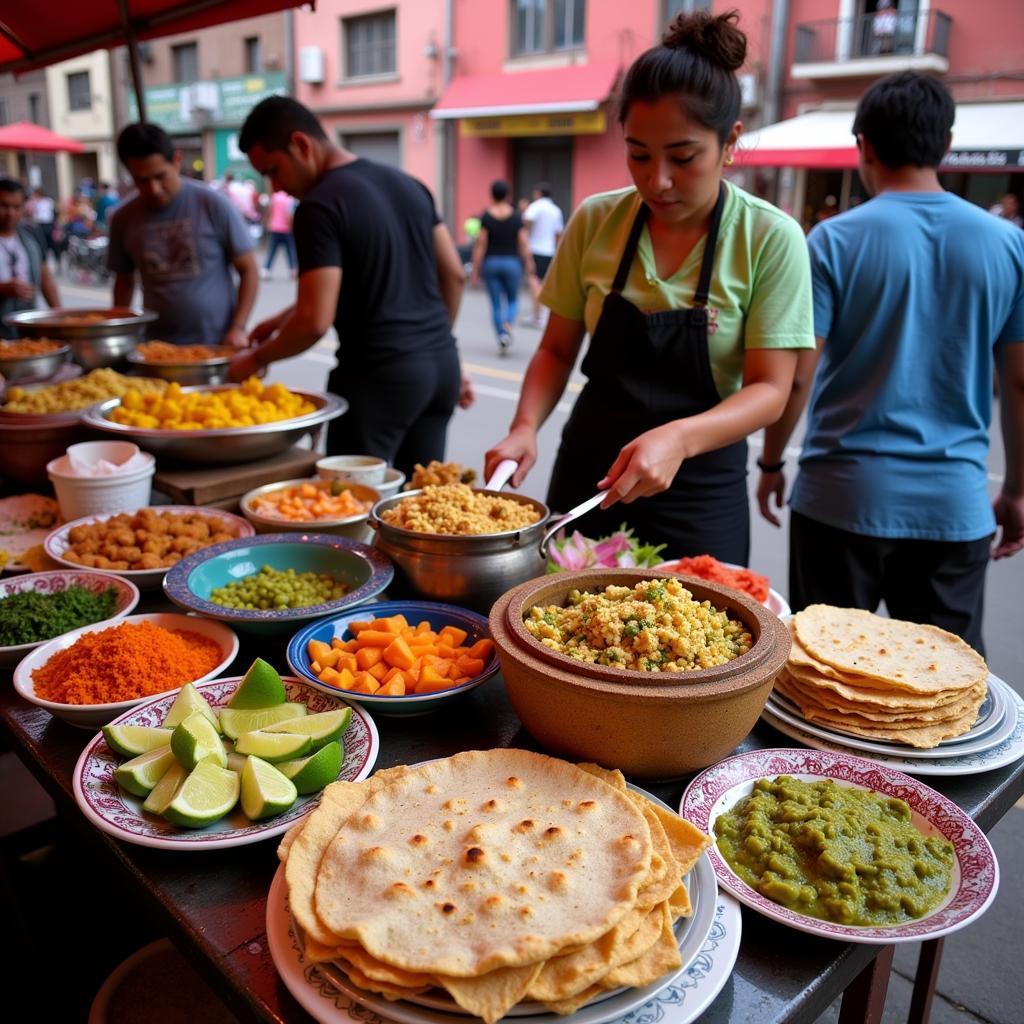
{"x": 120, "y": 814}
{"x": 995, "y": 724}
{"x": 1010, "y": 750}
{"x": 681, "y": 1002}
{"x": 25, "y": 521}
{"x": 975, "y": 871}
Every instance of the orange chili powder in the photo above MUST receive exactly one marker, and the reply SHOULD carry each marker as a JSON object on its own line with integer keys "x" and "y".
{"x": 707, "y": 567}
{"x": 124, "y": 662}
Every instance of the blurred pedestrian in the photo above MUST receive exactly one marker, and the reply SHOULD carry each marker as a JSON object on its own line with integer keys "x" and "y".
{"x": 1009, "y": 209}
{"x": 544, "y": 225}
{"x": 43, "y": 211}
{"x": 24, "y": 273}
{"x": 883, "y": 26}
{"x": 106, "y": 199}
{"x": 500, "y": 255}
{"x": 913, "y": 293}
{"x": 280, "y": 207}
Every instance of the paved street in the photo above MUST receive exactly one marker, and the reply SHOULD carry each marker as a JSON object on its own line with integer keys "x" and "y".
{"x": 980, "y": 974}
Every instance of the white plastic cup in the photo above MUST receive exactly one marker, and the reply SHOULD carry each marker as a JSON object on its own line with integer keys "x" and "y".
{"x": 80, "y": 496}
{"x": 352, "y": 469}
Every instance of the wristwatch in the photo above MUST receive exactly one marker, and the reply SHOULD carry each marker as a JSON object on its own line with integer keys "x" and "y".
{"x": 770, "y": 467}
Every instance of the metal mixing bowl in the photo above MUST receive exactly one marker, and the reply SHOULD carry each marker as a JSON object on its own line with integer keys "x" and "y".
{"x": 187, "y": 374}
{"x": 39, "y": 366}
{"x": 102, "y": 342}
{"x": 472, "y": 571}
{"x": 225, "y": 445}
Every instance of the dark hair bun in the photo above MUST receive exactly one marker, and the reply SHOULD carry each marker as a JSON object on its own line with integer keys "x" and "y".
{"x": 716, "y": 37}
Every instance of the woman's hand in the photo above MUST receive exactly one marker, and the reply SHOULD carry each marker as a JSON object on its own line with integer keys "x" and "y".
{"x": 520, "y": 446}
{"x": 769, "y": 484}
{"x": 265, "y": 328}
{"x": 646, "y": 466}
{"x": 467, "y": 394}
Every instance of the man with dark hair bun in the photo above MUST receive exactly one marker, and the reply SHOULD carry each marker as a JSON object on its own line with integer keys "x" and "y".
{"x": 914, "y": 292}
{"x": 377, "y": 262}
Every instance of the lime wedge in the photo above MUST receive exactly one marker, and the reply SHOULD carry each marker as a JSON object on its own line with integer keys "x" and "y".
{"x": 311, "y": 774}
{"x": 273, "y": 746}
{"x": 236, "y": 762}
{"x": 265, "y": 791}
{"x": 260, "y": 688}
{"x": 142, "y": 773}
{"x": 166, "y": 789}
{"x": 197, "y": 740}
{"x": 205, "y": 796}
{"x": 189, "y": 699}
{"x": 321, "y": 729}
{"x": 235, "y": 721}
{"x": 132, "y": 740}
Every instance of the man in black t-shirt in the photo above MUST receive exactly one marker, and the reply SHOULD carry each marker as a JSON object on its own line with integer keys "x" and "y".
{"x": 376, "y": 261}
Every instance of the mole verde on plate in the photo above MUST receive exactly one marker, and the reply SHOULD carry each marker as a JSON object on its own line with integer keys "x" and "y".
{"x": 835, "y": 853}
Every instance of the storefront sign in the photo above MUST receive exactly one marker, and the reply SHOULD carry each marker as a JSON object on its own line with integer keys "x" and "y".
{"x": 588, "y": 122}
{"x": 228, "y": 157}
{"x": 984, "y": 160}
{"x": 223, "y": 102}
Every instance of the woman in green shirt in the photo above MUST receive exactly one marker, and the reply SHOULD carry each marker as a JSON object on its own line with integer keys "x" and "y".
{"x": 696, "y": 296}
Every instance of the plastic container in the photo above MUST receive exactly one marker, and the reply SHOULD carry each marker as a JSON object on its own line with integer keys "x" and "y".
{"x": 118, "y": 492}
{"x": 352, "y": 469}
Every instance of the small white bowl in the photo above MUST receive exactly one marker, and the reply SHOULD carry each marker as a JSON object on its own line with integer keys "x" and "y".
{"x": 58, "y": 580}
{"x": 93, "y": 716}
{"x": 391, "y": 484}
{"x": 353, "y": 469}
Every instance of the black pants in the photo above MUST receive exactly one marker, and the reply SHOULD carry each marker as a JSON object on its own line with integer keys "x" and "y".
{"x": 937, "y": 582}
{"x": 398, "y": 411}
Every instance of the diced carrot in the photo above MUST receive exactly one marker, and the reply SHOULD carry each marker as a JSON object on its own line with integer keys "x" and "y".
{"x": 423, "y": 627}
{"x": 445, "y": 650}
{"x": 461, "y": 680}
{"x": 393, "y": 687}
{"x": 378, "y": 671}
{"x": 347, "y": 679}
{"x": 470, "y": 666}
{"x": 410, "y": 679}
{"x": 384, "y": 625}
{"x": 375, "y": 638}
{"x": 367, "y": 657}
{"x": 346, "y": 660}
{"x": 398, "y": 655}
{"x": 348, "y": 646}
{"x": 365, "y": 683}
{"x": 414, "y": 672}
{"x": 316, "y": 667}
{"x": 330, "y": 659}
{"x": 431, "y": 679}
{"x": 453, "y": 635}
{"x": 482, "y": 648}
{"x": 355, "y": 628}
{"x": 319, "y": 651}
{"x": 330, "y": 676}
{"x": 408, "y": 634}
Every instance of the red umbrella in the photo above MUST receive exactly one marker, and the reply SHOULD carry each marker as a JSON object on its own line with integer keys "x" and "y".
{"x": 32, "y": 37}
{"x": 34, "y": 138}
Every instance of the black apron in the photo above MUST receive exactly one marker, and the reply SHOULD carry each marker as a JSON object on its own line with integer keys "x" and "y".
{"x": 644, "y": 370}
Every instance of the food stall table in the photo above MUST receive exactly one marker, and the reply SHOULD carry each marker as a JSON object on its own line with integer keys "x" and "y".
{"x": 212, "y": 904}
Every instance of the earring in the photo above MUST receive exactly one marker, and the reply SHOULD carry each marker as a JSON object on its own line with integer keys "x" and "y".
{"x": 728, "y": 160}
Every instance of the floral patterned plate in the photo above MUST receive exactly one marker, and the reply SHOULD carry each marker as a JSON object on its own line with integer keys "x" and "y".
{"x": 681, "y": 1002}
{"x": 120, "y": 814}
{"x": 975, "y": 873}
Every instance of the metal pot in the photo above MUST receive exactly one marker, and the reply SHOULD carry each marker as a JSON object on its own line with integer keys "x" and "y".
{"x": 469, "y": 571}
{"x": 98, "y": 337}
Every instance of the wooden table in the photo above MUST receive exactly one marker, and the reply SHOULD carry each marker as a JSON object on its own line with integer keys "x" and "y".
{"x": 212, "y": 904}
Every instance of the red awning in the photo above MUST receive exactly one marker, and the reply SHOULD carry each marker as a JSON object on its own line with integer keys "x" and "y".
{"x": 33, "y": 33}
{"x": 552, "y": 90}
{"x": 34, "y": 138}
{"x": 823, "y": 159}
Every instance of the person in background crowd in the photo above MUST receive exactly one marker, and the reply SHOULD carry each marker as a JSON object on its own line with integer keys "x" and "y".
{"x": 24, "y": 273}
{"x": 43, "y": 211}
{"x": 106, "y": 199}
{"x": 182, "y": 240}
{"x": 500, "y": 254}
{"x": 913, "y": 293}
{"x": 829, "y": 208}
{"x": 883, "y": 27}
{"x": 696, "y": 296}
{"x": 374, "y": 258}
{"x": 544, "y": 225}
{"x": 1009, "y": 209}
{"x": 280, "y": 207}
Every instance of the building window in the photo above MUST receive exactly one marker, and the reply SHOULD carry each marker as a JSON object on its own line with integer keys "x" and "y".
{"x": 542, "y": 26}
{"x": 79, "y": 93}
{"x": 674, "y": 7}
{"x": 253, "y": 56}
{"x": 384, "y": 147}
{"x": 368, "y": 43}
{"x": 185, "y": 59}
{"x": 33, "y": 107}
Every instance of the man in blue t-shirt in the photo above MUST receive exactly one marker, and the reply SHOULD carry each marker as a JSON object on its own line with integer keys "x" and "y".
{"x": 914, "y": 292}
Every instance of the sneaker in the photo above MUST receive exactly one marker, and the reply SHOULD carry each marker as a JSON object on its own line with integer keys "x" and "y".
{"x": 504, "y": 341}
{"x": 264, "y": 274}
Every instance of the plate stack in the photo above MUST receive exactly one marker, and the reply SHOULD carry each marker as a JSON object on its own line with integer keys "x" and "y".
{"x": 911, "y": 695}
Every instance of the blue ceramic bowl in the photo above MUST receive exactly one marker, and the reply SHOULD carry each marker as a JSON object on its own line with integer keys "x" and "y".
{"x": 189, "y": 583}
{"x": 438, "y": 615}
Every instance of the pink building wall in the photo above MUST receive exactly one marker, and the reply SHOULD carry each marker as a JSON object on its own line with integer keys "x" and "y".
{"x": 398, "y": 102}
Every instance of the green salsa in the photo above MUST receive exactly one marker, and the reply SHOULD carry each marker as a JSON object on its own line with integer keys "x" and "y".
{"x": 835, "y": 853}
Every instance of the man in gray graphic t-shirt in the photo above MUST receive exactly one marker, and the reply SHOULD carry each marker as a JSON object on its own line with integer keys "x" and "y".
{"x": 182, "y": 239}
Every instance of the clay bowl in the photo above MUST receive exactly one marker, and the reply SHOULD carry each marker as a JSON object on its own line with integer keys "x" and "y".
{"x": 652, "y": 726}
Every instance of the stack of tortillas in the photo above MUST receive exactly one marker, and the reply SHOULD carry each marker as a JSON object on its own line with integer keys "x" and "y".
{"x": 882, "y": 678}
{"x": 499, "y": 876}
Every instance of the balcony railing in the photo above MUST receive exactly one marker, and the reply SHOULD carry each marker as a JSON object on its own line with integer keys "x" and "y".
{"x": 879, "y": 34}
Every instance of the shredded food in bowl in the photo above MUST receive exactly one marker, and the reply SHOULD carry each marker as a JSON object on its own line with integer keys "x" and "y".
{"x": 456, "y": 509}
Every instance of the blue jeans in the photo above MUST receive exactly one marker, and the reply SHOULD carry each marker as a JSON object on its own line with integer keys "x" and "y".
{"x": 278, "y": 239}
{"x": 502, "y": 275}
